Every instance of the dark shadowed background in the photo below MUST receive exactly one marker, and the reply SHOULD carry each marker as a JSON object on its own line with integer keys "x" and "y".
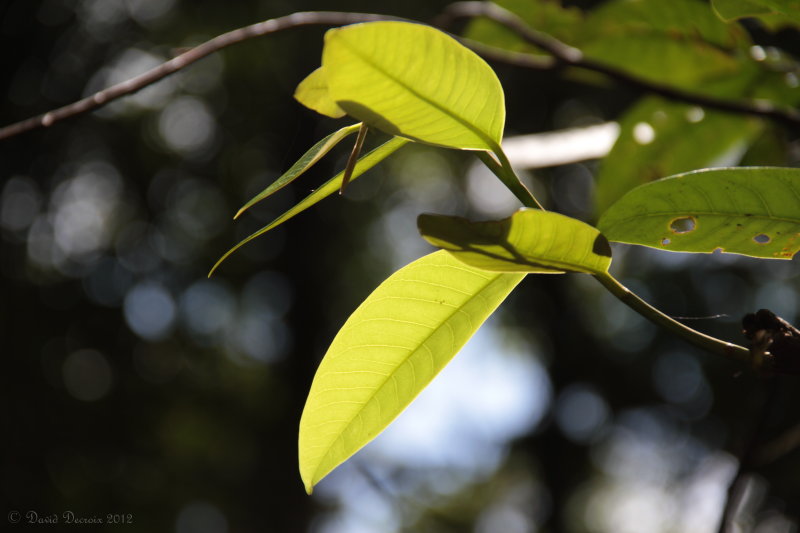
{"x": 134, "y": 386}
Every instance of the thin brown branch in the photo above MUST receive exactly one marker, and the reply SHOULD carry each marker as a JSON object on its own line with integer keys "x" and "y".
{"x": 566, "y": 55}
{"x": 101, "y": 98}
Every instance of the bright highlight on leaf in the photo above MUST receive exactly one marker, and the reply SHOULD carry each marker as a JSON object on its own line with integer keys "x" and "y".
{"x": 414, "y": 81}
{"x": 748, "y": 210}
{"x": 314, "y": 154}
{"x": 530, "y": 240}
{"x": 389, "y": 349}
{"x": 313, "y": 93}
{"x": 329, "y": 187}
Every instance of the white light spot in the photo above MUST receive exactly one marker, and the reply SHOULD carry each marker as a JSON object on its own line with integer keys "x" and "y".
{"x": 695, "y": 114}
{"x": 758, "y": 53}
{"x": 87, "y": 375}
{"x": 643, "y": 133}
{"x": 149, "y": 310}
{"x": 187, "y": 125}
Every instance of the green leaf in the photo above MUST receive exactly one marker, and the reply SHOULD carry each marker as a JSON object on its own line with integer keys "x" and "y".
{"x": 729, "y": 10}
{"x": 679, "y": 42}
{"x": 547, "y": 17}
{"x": 659, "y": 138}
{"x": 389, "y": 349}
{"x": 313, "y": 93}
{"x": 415, "y": 81}
{"x": 748, "y": 210}
{"x": 329, "y": 187}
{"x": 314, "y": 154}
{"x": 530, "y": 240}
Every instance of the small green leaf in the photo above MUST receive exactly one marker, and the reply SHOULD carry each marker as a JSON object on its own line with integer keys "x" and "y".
{"x": 414, "y": 81}
{"x": 314, "y": 154}
{"x": 388, "y": 351}
{"x": 313, "y": 93}
{"x": 530, "y": 240}
{"x": 329, "y": 187}
{"x": 748, "y": 210}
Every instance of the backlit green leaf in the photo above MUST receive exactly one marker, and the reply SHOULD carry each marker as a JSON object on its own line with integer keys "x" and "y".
{"x": 748, "y": 210}
{"x": 329, "y": 187}
{"x": 414, "y": 81}
{"x": 314, "y": 154}
{"x": 313, "y": 93}
{"x": 659, "y": 138}
{"x": 389, "y": 349}
{"x": 531, "y": 240}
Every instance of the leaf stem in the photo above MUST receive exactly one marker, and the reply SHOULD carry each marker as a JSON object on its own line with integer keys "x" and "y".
{"x": 701, "y": 340}
{"x": 509, "y": 178}
{"x": 351, "y": 161}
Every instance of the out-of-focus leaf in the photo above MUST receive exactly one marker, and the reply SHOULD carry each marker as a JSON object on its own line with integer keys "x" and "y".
{"x": 660, "y": 138}
{"x": 748, "y": 210}
{"x": 729, "y": 10}
{"x": 531, "y": 240}
{"x": 368, "y": 161}
{"x": 679, "y": 42}
{"x": 415, "y": 81}
{"x": 314, "y": 154}
{"x": 547, "y": 17}
{"x": 313, "y": 93}
{"x": 389, "y": 349}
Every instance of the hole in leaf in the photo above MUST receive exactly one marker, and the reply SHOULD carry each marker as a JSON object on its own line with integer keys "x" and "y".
{"x": 682, "y": 225}
{"x": 665, "y": 241}
{"x": 762, "y": 238}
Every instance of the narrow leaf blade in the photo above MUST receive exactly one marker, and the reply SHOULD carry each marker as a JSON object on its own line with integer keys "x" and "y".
{"x": 415, "y": 81}
{"x": 313, "y": 93}
{"x": 309, "y": 159}
{"x": 329, "y": 187}
{"x": 531, "y": 240}
{"x": 748, "y": 210}
{"x": 388, "y": 351}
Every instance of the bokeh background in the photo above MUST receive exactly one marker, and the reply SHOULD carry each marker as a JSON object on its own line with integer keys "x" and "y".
{"x": 134, "y": 385}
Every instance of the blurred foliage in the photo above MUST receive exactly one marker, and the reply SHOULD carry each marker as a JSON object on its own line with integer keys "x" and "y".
{"x": 134, "y": 385}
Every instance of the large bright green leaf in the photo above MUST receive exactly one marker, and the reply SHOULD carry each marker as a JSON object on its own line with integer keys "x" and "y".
{"x": 314, "y": 154}
{"x": 660, "y": 138}
{"x": 329, "y": 187}
{"x": 531, "y": 240}
{"x": 752, "y": 211}
{"x": 313, "y": 93}
{"x": 389, "y": 349}
{"x": 416, "y": 82}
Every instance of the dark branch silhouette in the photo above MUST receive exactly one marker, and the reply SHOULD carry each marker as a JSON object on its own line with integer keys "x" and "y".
{"x": 566, "y": 55}
{"x": 101, "y": 98}
{"x": 562, "y": 55}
